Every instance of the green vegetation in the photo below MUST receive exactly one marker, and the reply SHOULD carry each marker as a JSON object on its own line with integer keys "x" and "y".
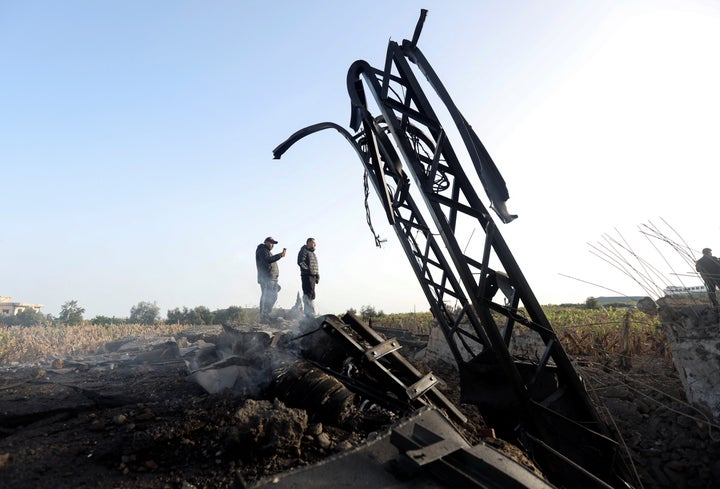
{"x": 145, "y": 313}
{"x": 71, "y": 313}
{"x": 583, "y": 329}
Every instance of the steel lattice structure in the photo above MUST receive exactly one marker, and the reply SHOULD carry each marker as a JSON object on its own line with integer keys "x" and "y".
{"x": 540, "y": 404}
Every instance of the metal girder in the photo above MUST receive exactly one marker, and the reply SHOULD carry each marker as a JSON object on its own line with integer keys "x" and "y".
{"x": 523, "y": 400}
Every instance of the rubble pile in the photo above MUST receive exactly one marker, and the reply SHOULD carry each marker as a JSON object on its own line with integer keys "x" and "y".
{"x": 214, "y": 407}
{"x": 244, "y": 406}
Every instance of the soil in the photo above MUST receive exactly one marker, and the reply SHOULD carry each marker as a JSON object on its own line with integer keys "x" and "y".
{"x": 144, "y": 425}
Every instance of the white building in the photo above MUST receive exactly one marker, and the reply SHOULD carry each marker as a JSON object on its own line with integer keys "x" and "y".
{"x": 678, "y": 290}
{"x": 9, "y": 308}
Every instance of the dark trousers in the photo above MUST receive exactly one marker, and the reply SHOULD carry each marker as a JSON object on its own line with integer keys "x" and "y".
{"x": 308, "y": 288}
{"x": 710, "y": 286}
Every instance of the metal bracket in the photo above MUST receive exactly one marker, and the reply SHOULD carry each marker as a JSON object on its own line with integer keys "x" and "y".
{"x": 378, "y": 351}
{"x": 419, "y": 388}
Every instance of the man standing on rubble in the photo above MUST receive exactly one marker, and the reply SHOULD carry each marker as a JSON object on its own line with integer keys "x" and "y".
{"x": 268, "y": 274}
{"x": 309, "y": 275}
{"x": 708, "y": 267}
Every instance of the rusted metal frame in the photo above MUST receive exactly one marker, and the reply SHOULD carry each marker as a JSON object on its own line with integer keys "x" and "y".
{"x": 425, "y": 279}
{"x": 455, "y": 292}
{"x": 427, "y": 284}
{"x": 411, "y": 52}
{"x": 449, "y": 326}
{"x": 510, "y": 323}
{"x": 543, "y": 360}
{"x": 358, "y": 117}
{"x": 456, "y": 206}
{"x": 505, "y": 361}
{"x": 407, "y": 113}
{"x": 386, "y": 77}
{"x": 422, "y": 255}
{"x": 390, "y": 162}
{"x": 306, "y": 131}
{"x": 503, "y": 252}
{"x": 438, "y": 145}
{"x": 419, "y": 26}
{"x": 521, "y": 289}
{"x": 482, "y": 283}
{"x": 434, "y": 163}
{"x": 403, "y": 365}
{"x": 441, "y": 221}
{"x": 362, "y": 69}
{"x": 576, "y": 395}
{"x": 511, "y": 313}
{"x": 388, "y": 118}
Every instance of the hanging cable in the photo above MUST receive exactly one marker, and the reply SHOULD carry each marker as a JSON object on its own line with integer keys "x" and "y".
{"x": 366, "y": 188}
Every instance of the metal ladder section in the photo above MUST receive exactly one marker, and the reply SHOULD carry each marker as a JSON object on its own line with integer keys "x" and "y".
{"x": 382, "y": 357}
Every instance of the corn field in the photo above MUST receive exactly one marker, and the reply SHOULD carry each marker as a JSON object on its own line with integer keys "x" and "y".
{"x": 593, "y": 332}
{"x": 30, "y": 343}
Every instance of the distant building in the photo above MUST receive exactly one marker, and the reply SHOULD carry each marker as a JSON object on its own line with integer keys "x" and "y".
{"x": 678, "y": 290}
{"x": 9, "y": 308}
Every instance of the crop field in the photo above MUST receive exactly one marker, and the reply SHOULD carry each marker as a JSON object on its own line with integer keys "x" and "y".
{"x": 587, "y": 332}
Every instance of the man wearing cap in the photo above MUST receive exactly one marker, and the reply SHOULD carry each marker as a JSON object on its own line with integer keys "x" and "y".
{"x": 268, "y": 274}
{"x": 309, "y": 275}
{"x": 708, "y": 267}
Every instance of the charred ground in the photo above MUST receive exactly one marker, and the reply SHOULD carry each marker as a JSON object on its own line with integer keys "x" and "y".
{"x": 142, "y": 424}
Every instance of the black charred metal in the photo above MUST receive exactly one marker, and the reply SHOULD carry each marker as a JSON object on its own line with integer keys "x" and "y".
{"x": 539, "y": 404}
{"x": 381, "y": 372}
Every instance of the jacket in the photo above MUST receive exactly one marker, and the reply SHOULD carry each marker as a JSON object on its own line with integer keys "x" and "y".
{"x": 307, "y": 261}
{"x": 709, "y": 268}
{"x": 266, "y": 263}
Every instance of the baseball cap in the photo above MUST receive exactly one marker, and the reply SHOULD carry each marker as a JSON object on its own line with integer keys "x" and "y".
{"x": 269, "y": 238}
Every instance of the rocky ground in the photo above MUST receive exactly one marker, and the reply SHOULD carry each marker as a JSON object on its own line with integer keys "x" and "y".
{"x": 133, "y": 420}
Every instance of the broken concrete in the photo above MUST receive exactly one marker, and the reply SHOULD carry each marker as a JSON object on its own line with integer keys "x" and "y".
{"x": 693, "y": 334}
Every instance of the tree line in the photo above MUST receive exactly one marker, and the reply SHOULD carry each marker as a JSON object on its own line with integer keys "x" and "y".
{"x": 148, "y": 313}
{"x": 71, "y": 313}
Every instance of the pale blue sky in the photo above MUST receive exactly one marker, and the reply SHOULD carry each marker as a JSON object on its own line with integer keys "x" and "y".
{"x": 136, "y": 140}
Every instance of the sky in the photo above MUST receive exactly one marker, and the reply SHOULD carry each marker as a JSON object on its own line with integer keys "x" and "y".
{"x": 136, "y": 143}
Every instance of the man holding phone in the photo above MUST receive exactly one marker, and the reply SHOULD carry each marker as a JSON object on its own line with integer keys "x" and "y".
{"x": 268, "y": 274}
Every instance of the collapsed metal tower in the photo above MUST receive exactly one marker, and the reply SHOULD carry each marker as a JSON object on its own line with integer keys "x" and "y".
{"x": 539, "y": 404}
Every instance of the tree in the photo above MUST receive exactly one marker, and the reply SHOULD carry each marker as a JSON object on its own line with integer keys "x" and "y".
{"x": 369, "y": 312}
{"x": 71, "y": 313}
{"x": 231, "y": 315}
{"x": 201, "y": 315}
{"x": 176, "y": 316}
{"x": 592, "y": 303}
{"x": 145, "y": 313}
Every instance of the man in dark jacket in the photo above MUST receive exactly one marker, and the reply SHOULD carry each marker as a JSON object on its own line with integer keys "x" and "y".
{"x": 709, "y": 268}
{"x": 268, "y": 274}
{"x": 309, "y": 275}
